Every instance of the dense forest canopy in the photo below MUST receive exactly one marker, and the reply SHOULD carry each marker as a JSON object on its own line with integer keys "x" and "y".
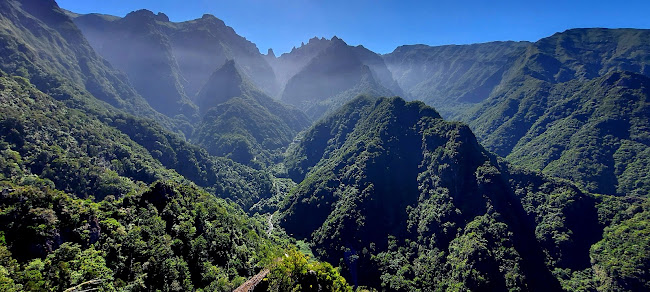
{"x": 141, "y": 154}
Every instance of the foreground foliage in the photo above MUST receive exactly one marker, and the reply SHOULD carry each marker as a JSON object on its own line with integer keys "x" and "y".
{"x": 83, "y": 205}
{"x": 168, "y": 237}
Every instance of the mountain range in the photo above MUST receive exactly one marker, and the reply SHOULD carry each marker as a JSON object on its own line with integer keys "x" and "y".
{"x": 137, "y": 153}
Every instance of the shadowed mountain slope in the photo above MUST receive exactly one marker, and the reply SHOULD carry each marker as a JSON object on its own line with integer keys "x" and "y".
{"x": 241, "y": 122}
{"x": 186, "y": 52}
{"x": 406, "y": 201}
{"x": 39, "y": 42}
{"x": 336, "y": 74}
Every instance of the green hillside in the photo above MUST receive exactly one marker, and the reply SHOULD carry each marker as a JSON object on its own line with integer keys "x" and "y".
{"x": 452, "y": 77}
{"x": 406, "y": 201}
{"x": 570, "y": 111}
{"x": 242, "y": 123}
{"x": 182, "y": 172}
{"x": 594, "y": 133}
{"x": 39, "y": 42}
{"x": 83, "y": 205}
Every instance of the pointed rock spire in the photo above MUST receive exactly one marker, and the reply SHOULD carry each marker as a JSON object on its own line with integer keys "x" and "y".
{"x": 270, "y": 53}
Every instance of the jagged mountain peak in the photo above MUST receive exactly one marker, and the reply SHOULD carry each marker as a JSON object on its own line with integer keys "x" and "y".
{"x": 337, "y": 39}
{"x": 241, "y": 122}
{"x": 316, "y": 39}
{"x": 270, "y": 53}
{"x": 147, "y": 14}
{"x": 223, "y": 84}
{"x": 183, "y": 53}
{"x": 212, "y": 18}
{"x": 330, "y": 72}
{"x": 229, "y": 66}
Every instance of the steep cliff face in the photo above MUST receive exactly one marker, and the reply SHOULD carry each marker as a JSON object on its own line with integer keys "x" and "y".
{"x": 150, "y": 48}
{"x": 42, "y": 44}
{"x": 138, "y": 46}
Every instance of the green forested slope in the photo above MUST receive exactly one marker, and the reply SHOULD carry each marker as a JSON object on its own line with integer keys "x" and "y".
{"x": 546, "y": 105}
{"x": 584, "y": 53}
{"x": 569, "y": 110}
{"x": 547, "y": 65}
{"x": 167, "y": 237}
{"x": 39, "y": 42}
{"x": 170, "y": 235}
{"x": 594, "y": 133}
{"x": 452, "y": 77}
{"x": 242, "y": 123}
{"x": 86, "y": 156}
{"x": 406, "y": 201}
{"x": 96, "y": 192}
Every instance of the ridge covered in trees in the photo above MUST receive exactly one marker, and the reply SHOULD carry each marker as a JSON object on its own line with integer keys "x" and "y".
{"x": 406, "y": 201}
{"x": 142, "y": 154}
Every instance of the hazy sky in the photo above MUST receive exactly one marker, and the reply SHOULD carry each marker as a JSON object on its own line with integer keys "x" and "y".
{"x": 383, "y": 25}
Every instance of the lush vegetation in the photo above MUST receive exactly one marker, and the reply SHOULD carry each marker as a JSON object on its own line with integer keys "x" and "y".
{"x": 451, "y": 78}
{"x": 83, "y": 205}
{"x": 572, "y": 107}
{"x": 242, "y": 123}
{"x": 406, "y": 201}
{"x": 80, "y": 153}
{"x": 96, "y": 192}
{"x": 594, "y": 133}
{"x": 167, "y": 237}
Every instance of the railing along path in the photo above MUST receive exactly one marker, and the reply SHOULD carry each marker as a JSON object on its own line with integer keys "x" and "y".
{"x": 249, "y": 285}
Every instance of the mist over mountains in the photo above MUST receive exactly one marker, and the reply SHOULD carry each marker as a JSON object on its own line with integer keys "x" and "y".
{"x": 142, "y": 154}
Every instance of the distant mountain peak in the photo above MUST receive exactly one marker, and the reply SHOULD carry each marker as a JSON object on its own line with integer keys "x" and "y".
{"x": 224, "y": 83}
{"x": 213, "y": 19}
{"x": 270, "y": 53}
{"x": 145, "y": 13}
{"x": 162, "y": 17}
{"x": 230, "y": 67}
{"x": 336, "y": 39}
{"x": 317, "y": 40}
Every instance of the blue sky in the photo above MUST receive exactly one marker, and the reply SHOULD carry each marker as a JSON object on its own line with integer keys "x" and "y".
{"x": 383, "y": 25}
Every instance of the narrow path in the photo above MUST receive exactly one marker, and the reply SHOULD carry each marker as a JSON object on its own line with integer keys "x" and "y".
{"x": 249, "y": 285}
